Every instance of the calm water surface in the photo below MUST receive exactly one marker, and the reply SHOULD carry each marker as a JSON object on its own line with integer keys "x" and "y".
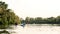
{"x": 35, "y": 29}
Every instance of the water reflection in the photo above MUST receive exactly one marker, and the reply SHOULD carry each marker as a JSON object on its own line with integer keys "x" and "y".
{"x": 4, "y": 32}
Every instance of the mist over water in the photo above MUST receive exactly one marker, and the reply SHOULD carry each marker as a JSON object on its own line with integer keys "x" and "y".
{"x": 35, "y": 29}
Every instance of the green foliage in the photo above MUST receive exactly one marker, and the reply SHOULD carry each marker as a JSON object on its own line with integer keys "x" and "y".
{"x": 39, "y": 20}
{"x": 7, "y": 17}
{"x": 27, "y": 20}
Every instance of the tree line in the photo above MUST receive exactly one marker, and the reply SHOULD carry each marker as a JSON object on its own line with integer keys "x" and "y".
{"x": 40, "y": 20}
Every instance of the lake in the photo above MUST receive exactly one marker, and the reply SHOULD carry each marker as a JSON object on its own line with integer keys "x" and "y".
{"x": 35, "y": 29}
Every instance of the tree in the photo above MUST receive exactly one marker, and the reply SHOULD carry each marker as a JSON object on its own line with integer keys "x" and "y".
{"x": 7, "y": 16}
{"x": 58, "y": 19}
{"x": 51, "y": 20}
{"x": 38, "y": 20}
{"x": 31, "y": 21}
{"x": 27, "y": 20}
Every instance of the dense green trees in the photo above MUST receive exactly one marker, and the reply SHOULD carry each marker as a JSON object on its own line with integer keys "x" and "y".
{"x": 7, "y": 16}
{"x": 40, "y": 20}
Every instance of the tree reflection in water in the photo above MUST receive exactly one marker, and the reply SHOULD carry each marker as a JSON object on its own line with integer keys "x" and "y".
{"x": 7, "y": 30}
{"x": 4, "y": 32}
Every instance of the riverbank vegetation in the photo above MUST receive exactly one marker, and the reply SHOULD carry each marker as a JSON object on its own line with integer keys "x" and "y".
{"x": 7, "y": 16}
{"x": 40, "y": 20}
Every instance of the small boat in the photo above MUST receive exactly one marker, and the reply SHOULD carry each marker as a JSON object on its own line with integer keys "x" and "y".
{"x": 23, "y": 24}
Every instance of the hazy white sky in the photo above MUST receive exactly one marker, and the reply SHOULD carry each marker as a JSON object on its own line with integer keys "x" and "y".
{"x": 35, "y": 8}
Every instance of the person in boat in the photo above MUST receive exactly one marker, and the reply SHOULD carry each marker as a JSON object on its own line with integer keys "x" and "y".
{"x": 23, "y": 24}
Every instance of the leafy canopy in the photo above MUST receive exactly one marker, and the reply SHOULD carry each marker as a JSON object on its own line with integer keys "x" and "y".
{"x": 7, "y": 17}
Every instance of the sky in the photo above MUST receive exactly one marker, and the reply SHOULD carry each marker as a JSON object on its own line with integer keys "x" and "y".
{"x": 34, "y": 8}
